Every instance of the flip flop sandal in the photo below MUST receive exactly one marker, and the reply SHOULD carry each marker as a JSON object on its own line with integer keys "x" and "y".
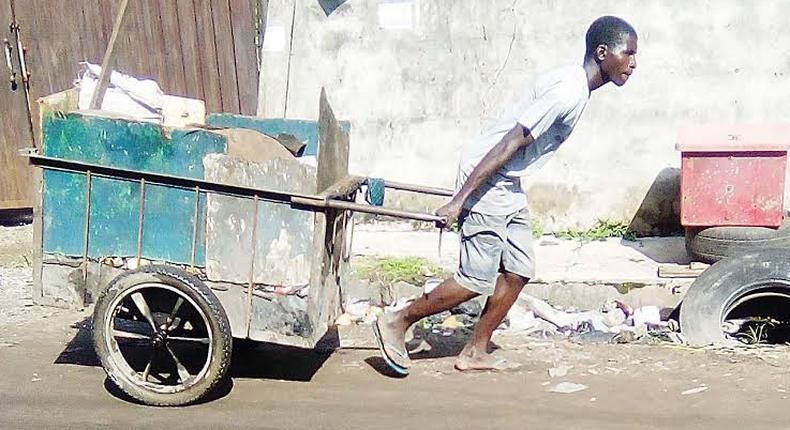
{"x": 386, "y": 350}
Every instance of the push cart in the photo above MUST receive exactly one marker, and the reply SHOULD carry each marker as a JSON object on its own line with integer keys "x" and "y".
{"x": 184, "y": 247}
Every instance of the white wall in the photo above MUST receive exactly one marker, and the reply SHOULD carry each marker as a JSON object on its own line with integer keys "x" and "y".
{"x": 415, "y": 94}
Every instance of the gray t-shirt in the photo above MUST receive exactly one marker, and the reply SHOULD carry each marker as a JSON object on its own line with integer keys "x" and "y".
{"x": 549, "y": 109}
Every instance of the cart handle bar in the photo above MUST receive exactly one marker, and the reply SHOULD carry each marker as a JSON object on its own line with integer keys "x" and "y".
{"x": 309, "y": 200}
{"x": 444, "y": 192}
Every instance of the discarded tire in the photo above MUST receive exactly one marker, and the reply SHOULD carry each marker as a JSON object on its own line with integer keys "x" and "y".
{"x": 714, "y": 243}
{"x": 162, "y": 336}
{"x": 728, "y": 284}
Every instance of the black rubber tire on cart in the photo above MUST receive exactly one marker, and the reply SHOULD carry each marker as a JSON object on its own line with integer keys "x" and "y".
{"x": 728, "y": 284}
{"x": 162, "y": 336}
{"x": 714, "y": 243}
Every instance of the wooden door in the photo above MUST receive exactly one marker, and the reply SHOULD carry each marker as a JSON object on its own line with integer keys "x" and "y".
{"x": 203, "y": 49}
{"x": 15, "y": 179}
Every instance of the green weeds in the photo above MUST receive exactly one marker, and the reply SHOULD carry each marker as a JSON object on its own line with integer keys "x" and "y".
{"x": 388, "y": 270}
{"x": 602, "y": 229}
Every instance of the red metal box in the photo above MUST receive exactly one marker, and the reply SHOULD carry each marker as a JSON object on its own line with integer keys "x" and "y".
{"x": 733, "y": 175}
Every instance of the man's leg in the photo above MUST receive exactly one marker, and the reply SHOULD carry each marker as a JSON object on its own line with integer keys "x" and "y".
{"x": 508, "y": 287}
{"x": 479, "y": 261}
{"x": 445, "y": 296}
{"x": 518, "y": 265}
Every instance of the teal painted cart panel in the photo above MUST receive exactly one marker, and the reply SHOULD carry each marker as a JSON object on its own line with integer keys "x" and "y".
{"x": 169, "y": 212}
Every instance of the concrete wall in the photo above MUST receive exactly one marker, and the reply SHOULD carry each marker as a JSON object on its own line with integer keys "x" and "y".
{"x": 418, "y": 78}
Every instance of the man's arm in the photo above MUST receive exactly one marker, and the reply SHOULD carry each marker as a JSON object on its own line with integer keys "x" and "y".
{"x": 518, "y": 137}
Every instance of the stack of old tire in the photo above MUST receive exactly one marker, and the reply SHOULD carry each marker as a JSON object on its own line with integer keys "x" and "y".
{"x": 711, "y": 244}
{"x": 748, "y": 262}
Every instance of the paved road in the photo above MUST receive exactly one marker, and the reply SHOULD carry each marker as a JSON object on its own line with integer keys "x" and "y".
{"x": 50, "y": 380}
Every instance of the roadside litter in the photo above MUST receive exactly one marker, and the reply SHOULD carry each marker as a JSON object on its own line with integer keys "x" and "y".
{"x": 613, "y": 322}
{"x": 568, "y": 388}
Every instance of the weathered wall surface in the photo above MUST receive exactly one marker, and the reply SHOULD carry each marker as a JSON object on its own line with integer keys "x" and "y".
{"x": 418, "y": 78}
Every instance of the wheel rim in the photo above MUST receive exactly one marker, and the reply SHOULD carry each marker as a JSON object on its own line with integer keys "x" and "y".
{"x": 158, "y": 338}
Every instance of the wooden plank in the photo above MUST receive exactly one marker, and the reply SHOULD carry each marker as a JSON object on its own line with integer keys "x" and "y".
{"x": 155, "y": 46}
{"x": 696, "y": 265}
{"x": 182, "y": 111}
{"x": 109, "y": 56}
{"x": 95, "y": 38}
{"x": 681, "y": 270}
{"x": 130, "y": 60}
{"x": 14, "y": 204}
{"x": 146, "y": 43}
{"x": 208, "y": 56}
{"x": 38, "y": 231}
{"x": 63, "y": 12}
{"x": 137, "y": 58}
{"x": 173, "y": 74}
{"x": 344, "y": 187}
{"x": 187, "y": 25}
{"x": 243, "y": 23}
{"x": 226, "y": 58}
{"x": 52, "y": 55}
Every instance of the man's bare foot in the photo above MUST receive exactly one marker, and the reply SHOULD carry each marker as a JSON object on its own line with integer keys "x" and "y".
{"x": 471, "y": 360}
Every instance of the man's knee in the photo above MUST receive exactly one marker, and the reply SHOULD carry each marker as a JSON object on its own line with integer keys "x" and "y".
{"x": 515, "y": 280}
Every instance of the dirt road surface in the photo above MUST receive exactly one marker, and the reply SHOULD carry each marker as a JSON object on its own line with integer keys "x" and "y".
{"x": 50, "y": 378}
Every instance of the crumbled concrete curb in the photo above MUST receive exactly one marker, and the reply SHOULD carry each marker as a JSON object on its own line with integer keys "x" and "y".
{"x": 569, "y": 273}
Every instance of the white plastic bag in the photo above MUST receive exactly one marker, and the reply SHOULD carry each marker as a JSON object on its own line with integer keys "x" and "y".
{"x": 138, "y": 98}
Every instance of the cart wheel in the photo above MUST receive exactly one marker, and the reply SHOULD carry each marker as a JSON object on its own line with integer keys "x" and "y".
{"x": 162, "y": 336}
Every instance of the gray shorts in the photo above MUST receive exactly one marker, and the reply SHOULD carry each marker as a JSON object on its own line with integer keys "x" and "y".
{"x": 491, "y": 244}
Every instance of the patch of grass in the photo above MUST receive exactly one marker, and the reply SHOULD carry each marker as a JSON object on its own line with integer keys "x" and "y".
{"x": 602, "y": 229}
{"x": 537, "y": 228}
{"x": 626, "y": 287}
{"x": 389, "y": 270}
{"x": 756, "y": 330}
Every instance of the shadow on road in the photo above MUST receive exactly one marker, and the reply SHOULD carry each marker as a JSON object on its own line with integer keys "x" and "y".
{"x": 428, "y": 345}
{"x": 80, "y": 350}
{"x": 256, "y": 360}
{"x": 253, "y": 360}
{"x": 440, "y": 346}
{"x": 222, "y": 389}
{"x": 379, "y": 365}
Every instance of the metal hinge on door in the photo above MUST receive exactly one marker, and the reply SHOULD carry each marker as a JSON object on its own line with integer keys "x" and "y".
{"x": 21, "y": 51}
{"x": 11, "y": 72}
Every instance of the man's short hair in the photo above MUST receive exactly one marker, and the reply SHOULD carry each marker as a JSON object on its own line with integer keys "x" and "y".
{"x": 609, "y": 31}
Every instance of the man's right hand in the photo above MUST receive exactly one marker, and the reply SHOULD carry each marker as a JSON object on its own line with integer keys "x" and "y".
{"x": 450, "y": 213}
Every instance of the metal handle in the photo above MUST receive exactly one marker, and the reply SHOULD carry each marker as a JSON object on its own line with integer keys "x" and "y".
{"x": 23, "y": 63}
{"x": 12, "y": 74}
{"x": 318, "y": 202}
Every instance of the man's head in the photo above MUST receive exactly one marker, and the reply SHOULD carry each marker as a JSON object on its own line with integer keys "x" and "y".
{"x": 611, "y": 42}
